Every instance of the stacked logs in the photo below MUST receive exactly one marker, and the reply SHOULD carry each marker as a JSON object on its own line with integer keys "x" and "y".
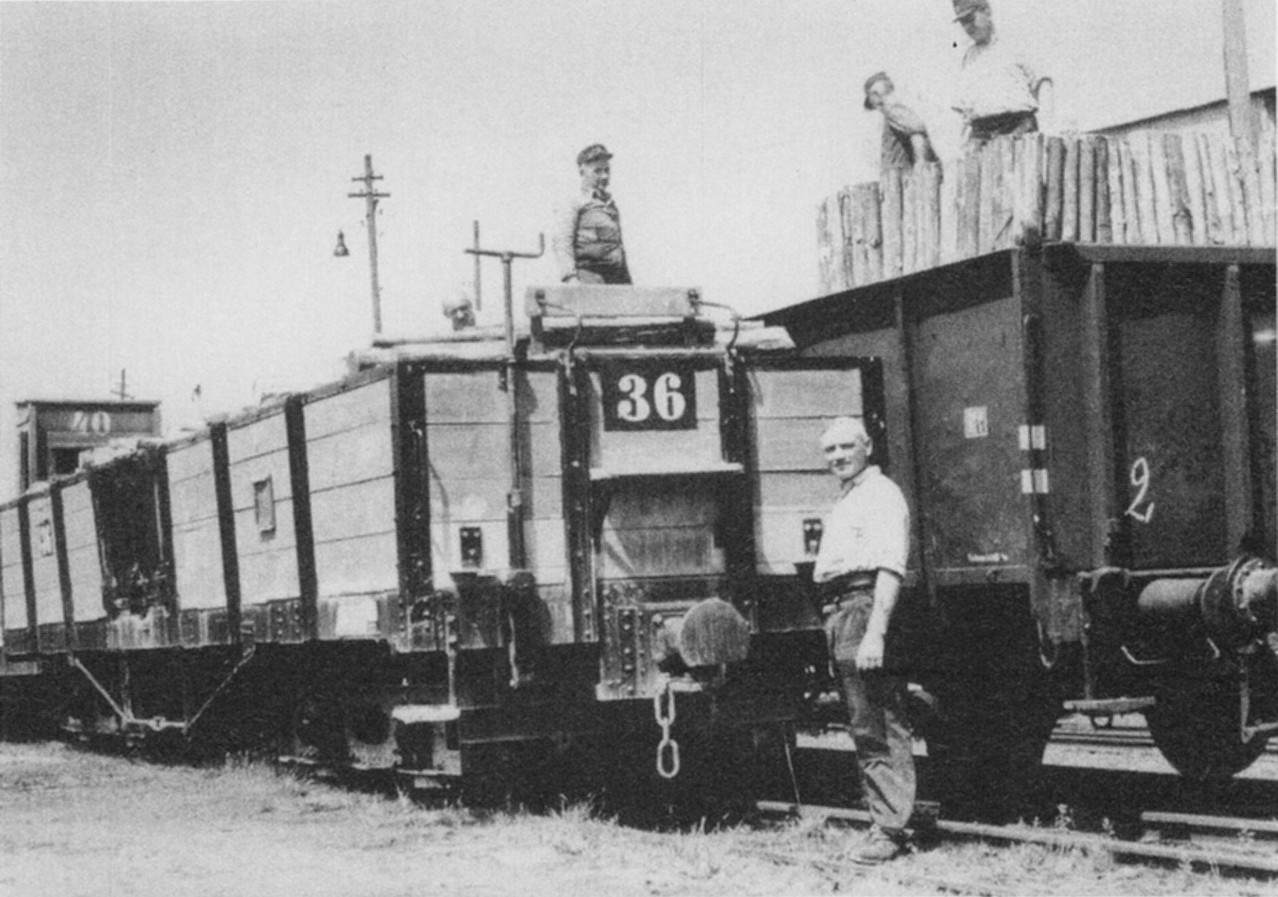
{"x": 1146, "y": 187}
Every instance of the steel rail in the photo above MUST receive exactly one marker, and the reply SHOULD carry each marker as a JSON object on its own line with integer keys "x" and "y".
{"x": 1257, "y": 863}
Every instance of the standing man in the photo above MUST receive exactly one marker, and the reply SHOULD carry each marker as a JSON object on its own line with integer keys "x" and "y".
{"x": 905, "y": 140}
{"x": 859, "y": 567}
{"x": 999, "y": 93}
{"x": 587, "y": 233}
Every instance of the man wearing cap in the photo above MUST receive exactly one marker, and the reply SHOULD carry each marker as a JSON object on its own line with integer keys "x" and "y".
{"x": 999, "y": 93}
{"x": 587, "y": 233}
{"x": 865, "y": 544}
{"x": 905, "y": 140}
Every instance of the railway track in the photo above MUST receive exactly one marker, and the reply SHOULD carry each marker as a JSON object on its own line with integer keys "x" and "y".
{"x": 1228, "y": 844}
{"x": 1121, "y": 737}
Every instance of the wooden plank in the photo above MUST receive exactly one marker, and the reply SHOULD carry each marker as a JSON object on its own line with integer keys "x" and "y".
{"x": 890, "y": 221}
{"x": 1104, "y": 218}
{"x": 1069, "y": 192}
{"x": 1138, "y": 141}
{"x": 1087, "y": 190}
{"x": 1178, "y": 191}
{"x": 1162, "y": 190}
{"x": 1055, "y": 188}
{"x": 1117, "y": 207}
{"x": 871, "y": 209}
{"x": 1005, "y": 200}
{"x": 1194, "y": 187}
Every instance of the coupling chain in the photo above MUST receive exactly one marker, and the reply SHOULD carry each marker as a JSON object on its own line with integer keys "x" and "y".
{"x": 667, "y": 748}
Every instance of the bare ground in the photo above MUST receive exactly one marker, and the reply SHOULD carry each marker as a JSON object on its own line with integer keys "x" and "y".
{"x": 75, "y": 824}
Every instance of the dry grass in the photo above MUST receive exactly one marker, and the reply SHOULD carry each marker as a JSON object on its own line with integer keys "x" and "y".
{"x": 82, "y": 825}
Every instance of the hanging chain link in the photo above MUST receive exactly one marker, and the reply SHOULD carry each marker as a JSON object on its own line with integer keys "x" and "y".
{"x": 663, "y": 706}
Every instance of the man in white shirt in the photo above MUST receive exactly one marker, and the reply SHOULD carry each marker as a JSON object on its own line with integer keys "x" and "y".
{"x": 865, "y": 544}
{"x": 999, "y": 93}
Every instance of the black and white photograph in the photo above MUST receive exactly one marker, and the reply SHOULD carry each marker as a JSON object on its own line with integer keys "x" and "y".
{"x": 644, "y": 448}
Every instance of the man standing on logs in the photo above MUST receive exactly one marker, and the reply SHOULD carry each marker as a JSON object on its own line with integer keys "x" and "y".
{"x": 905, "y": 140}
{"x": 859, "y": 567}
{"x": 998, "y": 92}
{"x": 587, "y": 234}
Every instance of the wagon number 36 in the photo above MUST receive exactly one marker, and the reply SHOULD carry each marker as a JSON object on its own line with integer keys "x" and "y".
{"x": 1140, "y": 509}
{"x": 667, "y": 400}
{"x": 650, "y": 397}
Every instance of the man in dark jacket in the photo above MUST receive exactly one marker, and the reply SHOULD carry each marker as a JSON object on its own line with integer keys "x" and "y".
{"x": 587, "y": 233}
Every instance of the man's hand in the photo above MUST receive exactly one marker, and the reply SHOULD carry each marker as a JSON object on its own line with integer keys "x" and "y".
{"x": 870, "y": 655}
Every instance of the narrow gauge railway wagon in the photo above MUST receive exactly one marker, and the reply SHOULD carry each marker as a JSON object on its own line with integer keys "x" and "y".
{"x": 461, "y": 556}
{"x": 1086, "y": 434}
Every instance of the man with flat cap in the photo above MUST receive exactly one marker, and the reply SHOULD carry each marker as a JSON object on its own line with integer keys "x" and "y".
{"x": 587, "y": 235}
{"x": 999, "y": 93}
{"x": 905, "y": 139}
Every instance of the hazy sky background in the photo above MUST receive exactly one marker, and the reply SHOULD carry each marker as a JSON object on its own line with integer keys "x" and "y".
{"x": 173, "y": 175}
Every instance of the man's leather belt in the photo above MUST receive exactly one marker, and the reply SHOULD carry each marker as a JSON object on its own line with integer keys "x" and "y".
{"x": 858, "y": 581}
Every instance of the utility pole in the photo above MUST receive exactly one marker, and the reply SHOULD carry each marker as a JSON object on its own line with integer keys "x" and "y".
{"x": 370, "y": 197}
{"x": 122, "y": 393}
{"x": 1242, "y": 117}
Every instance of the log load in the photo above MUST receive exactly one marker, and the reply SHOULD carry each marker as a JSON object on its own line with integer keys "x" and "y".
{"x": 1146, "y": 187}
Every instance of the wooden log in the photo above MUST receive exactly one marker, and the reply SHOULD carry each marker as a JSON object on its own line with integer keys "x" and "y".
{"x": 1055, "y": 176}
{"x": 1131, "y": 199}
{"x": 1162, "y": 190}
{"x": 1069, "y": 192}
{"x": 950, "y": 180}
{"x": 825, "y": 246}
{"x": 871, "y": 207}
{"x": 1005, "y": 201}
{"x": 989, "y": 193}
{"x": 1268, "y": 177}
{"x": 1194, "y": 187}
{"x": 1178, "y": 191}
{"x": 1138, "y": 141}
{"x": 1224, "y": 178}
{"x": 1087, "y": 190}
{"x": 1034, "y": 159}
{"x": 890, "y": 220}
{"x": 853, "y": 267}
{"x": 1104, "y": 216}
{"x": 1213, "y": 203}
{"x": 909, "y": 221}
{"x": 1250, "y": 176}
{"x": 970, "y": 211}
{"x": 1237, "y": 198}
{"x": 1117, "y": 208}
{"x": 929, "y": 214}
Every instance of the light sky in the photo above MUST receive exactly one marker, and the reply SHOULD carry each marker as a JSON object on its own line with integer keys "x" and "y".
{"x": 173, "y": 175}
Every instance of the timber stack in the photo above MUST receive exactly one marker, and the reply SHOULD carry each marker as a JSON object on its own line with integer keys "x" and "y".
{"x": 1147, "y": 187}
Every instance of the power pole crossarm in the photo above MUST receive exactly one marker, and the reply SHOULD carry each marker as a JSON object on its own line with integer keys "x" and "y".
{"x": 370, "y": 197}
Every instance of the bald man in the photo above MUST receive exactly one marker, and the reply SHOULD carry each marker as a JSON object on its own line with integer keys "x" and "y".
{"x": 865, "y": 544}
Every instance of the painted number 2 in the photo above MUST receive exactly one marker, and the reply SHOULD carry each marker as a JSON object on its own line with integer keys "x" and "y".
{"x": 667, "y": 400}
{"x": 1139, "y": 477}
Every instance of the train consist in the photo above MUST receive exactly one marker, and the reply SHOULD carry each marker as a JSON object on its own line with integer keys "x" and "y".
{"x": 594, "y": 540}
{"x": 579, "y": 541}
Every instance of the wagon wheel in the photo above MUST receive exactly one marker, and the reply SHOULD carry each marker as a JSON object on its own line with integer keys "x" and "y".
{"x": 1195, "y": 723}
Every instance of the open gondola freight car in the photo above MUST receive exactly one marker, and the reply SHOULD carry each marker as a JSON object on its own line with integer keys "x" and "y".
{"x": 481, "y": 551}
{"x": 1086, "y": 433}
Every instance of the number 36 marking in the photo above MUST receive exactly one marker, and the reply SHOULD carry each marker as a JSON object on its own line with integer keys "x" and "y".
{"x": 647, "y": 396}
{"x": 1139, "y": 477}
{"x": 667, "y": 400}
